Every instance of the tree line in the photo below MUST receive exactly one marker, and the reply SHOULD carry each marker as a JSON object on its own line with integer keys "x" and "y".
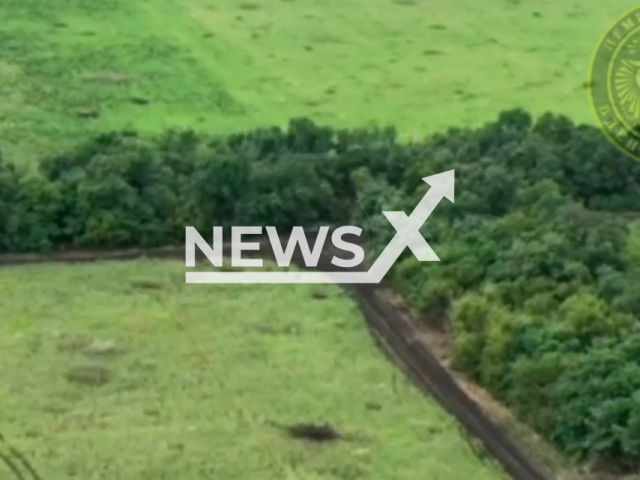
{"x": 540, "y": 256}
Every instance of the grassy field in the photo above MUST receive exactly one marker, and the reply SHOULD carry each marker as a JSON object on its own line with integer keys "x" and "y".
{"x": 228, "y": 64}
{"x": 195, "y": 380}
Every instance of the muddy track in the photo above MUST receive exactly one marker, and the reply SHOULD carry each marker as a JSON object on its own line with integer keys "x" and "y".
{"x": 394, "y": 333}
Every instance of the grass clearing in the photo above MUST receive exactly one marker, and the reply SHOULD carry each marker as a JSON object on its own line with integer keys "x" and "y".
{"x": 70, "y": 67}
{"x": 121, "y": 370}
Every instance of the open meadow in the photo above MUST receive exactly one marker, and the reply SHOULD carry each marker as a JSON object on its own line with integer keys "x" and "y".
{"x": 120, "y": 370}
{"x": 70, "y": 67}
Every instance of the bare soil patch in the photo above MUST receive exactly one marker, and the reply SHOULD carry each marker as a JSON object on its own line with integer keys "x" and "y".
{"x": 314, "y": 432}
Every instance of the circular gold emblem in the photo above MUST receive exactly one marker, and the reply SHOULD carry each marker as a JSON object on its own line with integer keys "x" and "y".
{"x": 614, "y": 83}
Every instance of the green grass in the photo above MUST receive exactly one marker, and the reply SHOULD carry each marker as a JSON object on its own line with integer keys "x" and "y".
{"x": 229, "y": 64}
{"x": 199, "y": 375}
{"x": 633, "y": 242}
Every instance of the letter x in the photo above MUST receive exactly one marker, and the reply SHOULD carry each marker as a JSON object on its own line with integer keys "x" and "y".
{"x": 408, "y": 235}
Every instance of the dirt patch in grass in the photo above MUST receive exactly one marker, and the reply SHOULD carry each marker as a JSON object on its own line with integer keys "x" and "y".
{"x": 313, "y": 432}
{"x": 91, "y": 375}
{"x": 319, "y": 295}
{"x": 86, "y": 345}
{"x": 101, "y": 348}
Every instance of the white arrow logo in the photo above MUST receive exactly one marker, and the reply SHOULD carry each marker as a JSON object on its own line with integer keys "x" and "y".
{"x": 408, "y": 235}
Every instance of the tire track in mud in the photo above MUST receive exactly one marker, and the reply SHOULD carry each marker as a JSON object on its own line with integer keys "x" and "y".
{"x": 392, "y": 331}
{"x": 398, "y": 336}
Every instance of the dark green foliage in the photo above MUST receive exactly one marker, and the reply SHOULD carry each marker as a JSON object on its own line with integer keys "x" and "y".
{"x": 26, "y": 208}
{"x": 539, "y": 257}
